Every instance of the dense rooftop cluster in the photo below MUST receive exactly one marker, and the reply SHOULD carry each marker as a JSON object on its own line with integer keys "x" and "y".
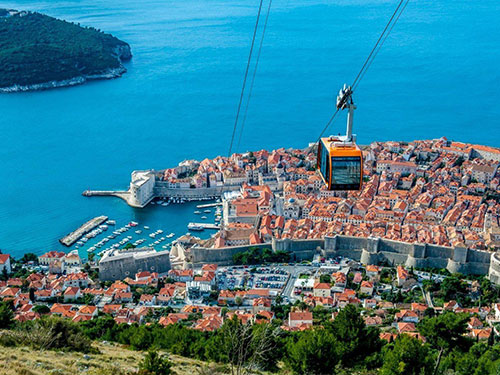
{"x": 431, "y": 191}
{"x": 204, "y": 298}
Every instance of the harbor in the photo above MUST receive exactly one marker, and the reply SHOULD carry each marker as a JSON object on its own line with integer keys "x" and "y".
{"x": 145, "y": 229}
{"x": 74, "y": 236}
{"x": 130, "y": 235}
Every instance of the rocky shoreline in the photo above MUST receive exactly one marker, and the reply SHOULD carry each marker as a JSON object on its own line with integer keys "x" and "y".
{"x": 108, "y": 74}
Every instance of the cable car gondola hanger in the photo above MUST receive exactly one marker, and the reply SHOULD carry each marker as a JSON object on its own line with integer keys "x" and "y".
{"x": 339, "y": 159}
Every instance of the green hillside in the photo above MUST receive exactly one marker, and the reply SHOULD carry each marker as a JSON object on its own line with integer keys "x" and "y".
{"x": 35, "y": 49}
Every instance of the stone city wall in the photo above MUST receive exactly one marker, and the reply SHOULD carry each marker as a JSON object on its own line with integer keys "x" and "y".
{"x": 369, "y": 251}
{"x": 223, "y": 257}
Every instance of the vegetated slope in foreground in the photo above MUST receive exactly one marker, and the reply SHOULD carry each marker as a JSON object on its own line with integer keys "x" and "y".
{"x": 112, "y": 359}
{"x": 38, "y": 52}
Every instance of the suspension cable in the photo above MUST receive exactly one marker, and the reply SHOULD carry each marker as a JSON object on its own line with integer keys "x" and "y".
{"x": 376, "y": 44}
{"x": 245, "y": 79}
{"x": 253, "y": 76}
{"x": 381, "y": 44}
{"x": 380, "y": 41}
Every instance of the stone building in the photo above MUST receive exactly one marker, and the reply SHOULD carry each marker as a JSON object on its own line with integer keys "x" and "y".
{"x": 119, "y": 264}
{"x": 142, "y": 188}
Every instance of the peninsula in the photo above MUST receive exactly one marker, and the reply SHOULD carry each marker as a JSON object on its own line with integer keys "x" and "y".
{"x": 40, "y": 52}
{"x": 434, "y": 191}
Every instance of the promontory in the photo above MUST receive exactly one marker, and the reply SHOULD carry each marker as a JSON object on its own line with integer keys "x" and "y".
{"x": 40, "y": 52}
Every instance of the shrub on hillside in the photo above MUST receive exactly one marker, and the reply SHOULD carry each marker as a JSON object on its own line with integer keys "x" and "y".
{"x": 155, "y": 364}
{"x": 48, "y": 333}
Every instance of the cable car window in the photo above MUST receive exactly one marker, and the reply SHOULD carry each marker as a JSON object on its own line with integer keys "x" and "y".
{"x": 325, "y": 161}
{"x": 346, "y": 172}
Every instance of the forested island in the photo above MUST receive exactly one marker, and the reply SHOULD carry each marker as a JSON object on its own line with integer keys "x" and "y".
{"x": 41, "y": 52}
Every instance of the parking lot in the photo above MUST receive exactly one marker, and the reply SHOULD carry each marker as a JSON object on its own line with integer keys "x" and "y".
{"x": 251, "y": 278}
{"x": 268, "y": 278}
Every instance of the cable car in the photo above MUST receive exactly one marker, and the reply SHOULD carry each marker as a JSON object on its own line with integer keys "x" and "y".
{"x": 340, "y": 160}
{"x": 340, "y": 165}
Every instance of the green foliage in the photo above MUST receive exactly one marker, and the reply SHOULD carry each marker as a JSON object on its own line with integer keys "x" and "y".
{"x": 407, "y": 356}
{"x": 35, "y": 48}
{"x": 29, "y": 257}
{"x": 489, "y": 292}
{"x": 280, "y": 310}
{"x": 325, "y": 278}
{"x": 312, "y": 352}
{"x": 256, "y": 255}
{"x": 155, "y": 364}
{"x": 4, "y": 275}
{"x": 453, "y": 287}
{"x": 6, "y": 315}
{"x": 321, "y": 315}
{"x": 51, "y": 333}
{"x": 356, "y": 340}
{"x": 479, "y": 360}
{"x": 41, "y": 309}
{"x": 446, "y": 331}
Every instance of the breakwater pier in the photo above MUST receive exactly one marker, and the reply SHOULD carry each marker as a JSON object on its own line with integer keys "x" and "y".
{"x": 209, "y": 205}
{"x": 74, "y": 236}
{"x": 123, "y": 194}
{"x": 204, "y": 226}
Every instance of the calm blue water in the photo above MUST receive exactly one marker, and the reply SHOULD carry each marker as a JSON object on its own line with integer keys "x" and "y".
{"x": 437, "y": 75}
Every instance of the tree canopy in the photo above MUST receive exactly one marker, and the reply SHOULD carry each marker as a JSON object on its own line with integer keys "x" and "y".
{"x": 35, "y": 48}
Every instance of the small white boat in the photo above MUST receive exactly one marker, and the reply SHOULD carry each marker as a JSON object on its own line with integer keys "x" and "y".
{"x": 203, "y": 217}
{"x": 197, "y": 212}
{"x": 152, "y": 235}
{"x": 146, "y": 227}
{"x": 138, "y": 231}
{"x": 207, "y": 211}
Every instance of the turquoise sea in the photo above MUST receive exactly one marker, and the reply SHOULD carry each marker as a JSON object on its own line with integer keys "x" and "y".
{"x": 437, "y": 75}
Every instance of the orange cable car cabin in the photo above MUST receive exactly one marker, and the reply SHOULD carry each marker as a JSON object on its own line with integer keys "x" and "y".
{"x": 340, "y": 164}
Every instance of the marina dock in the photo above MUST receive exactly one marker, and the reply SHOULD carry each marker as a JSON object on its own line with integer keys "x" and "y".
{"x": 74, "y": 236}
{"x": 209, "y": 205}
{"x": 205, "y": 225}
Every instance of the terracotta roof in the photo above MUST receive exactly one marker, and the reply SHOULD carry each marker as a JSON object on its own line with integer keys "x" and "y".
{"x": 4, "y": 258}
{"x": 301, "y": 315}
